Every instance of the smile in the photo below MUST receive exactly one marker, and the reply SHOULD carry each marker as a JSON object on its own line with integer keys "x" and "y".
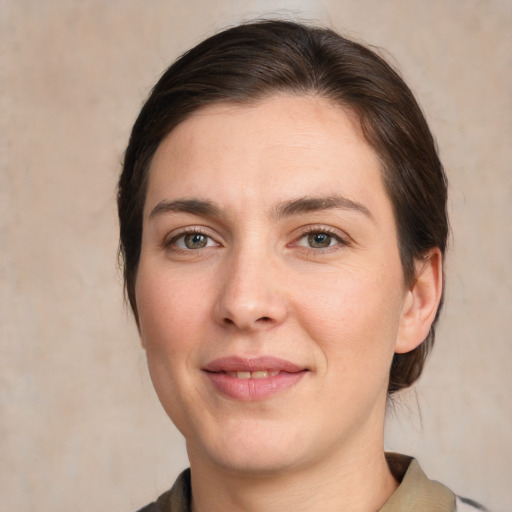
{"x": 253, "y": 379}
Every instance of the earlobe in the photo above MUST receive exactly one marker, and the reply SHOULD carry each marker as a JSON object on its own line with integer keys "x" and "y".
{"x": 421, "y": 302}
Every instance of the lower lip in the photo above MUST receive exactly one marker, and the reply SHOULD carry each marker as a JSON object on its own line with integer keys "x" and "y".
{"x": 254, "y": 389}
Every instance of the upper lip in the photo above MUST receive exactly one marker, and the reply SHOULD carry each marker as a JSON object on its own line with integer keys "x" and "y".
{"x": 252, "y": 364}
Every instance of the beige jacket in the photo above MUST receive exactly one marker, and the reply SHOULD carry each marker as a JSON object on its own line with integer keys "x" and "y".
{"x": 416, "y": 493}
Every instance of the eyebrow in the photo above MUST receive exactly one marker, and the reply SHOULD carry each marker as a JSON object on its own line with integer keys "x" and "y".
{"x": 289, "y": 208}
{"x": 193, "y": 206}
{"x": 314, "y": 204}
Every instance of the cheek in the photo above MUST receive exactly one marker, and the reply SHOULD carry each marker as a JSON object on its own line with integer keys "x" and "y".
{"x": 171, "y": 326}
{"x": 353, "y": 317}
{"x": 170, "y": 311}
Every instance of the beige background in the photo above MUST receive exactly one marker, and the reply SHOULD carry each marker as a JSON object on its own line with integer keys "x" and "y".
{"x": 80, "y": 426}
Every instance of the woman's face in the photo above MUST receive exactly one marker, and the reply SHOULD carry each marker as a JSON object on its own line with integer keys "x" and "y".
{"x": 270, "y": 290}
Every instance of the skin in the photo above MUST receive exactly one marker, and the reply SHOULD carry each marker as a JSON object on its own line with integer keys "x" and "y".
{"x": 257, "y": 287}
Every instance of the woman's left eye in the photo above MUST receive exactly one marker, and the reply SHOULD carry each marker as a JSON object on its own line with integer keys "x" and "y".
{"x": 319, "y": 240}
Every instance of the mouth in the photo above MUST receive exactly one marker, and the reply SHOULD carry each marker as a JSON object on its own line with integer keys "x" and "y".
{"x": 251, "y": 379}
{"x": 259, "y": 374}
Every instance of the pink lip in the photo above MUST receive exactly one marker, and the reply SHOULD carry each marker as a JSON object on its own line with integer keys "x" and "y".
{"x": 253, "y": 389}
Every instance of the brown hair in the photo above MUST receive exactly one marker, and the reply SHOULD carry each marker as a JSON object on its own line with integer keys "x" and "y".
{"x": 251, "y": 61}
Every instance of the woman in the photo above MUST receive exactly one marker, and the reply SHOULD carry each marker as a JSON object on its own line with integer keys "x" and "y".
{"x": 283, "y": 226}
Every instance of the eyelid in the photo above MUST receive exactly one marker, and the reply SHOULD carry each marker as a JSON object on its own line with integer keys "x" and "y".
{"x": 320, "y": 228}
{"x": 176, "y": 234}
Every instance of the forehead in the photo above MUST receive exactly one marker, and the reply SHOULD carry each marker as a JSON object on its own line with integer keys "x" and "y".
{"x": 280, "y": 146}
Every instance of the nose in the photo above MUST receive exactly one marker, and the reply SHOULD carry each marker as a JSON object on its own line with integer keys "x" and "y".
{"x": 251, "y": 295}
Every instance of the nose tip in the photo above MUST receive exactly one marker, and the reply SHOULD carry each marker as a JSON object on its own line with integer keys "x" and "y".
{"x": 250, "y": 299}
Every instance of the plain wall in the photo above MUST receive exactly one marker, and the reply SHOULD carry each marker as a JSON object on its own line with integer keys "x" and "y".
{"x": 80, "y": 425}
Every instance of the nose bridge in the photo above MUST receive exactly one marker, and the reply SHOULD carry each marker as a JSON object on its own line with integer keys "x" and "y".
{"x": 250, "y": 296}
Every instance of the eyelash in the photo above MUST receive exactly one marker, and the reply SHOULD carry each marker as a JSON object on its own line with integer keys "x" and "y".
{"x": 170, "y": 242}
{"x": 342, "y": 240}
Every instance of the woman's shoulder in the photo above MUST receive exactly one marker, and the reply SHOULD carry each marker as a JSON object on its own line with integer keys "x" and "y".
{"x": 177, "y": 499}
{"x": 417, "y": 492}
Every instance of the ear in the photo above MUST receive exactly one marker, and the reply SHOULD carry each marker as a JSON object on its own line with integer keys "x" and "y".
{"x": 421, "y": 302}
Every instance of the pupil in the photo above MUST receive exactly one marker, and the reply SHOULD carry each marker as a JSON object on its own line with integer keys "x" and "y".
{"x": 319, "y": 240}
{"x": 195, "y": 241}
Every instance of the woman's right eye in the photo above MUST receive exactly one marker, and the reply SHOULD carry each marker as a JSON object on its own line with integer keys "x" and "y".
{"x": 192, "y": 241}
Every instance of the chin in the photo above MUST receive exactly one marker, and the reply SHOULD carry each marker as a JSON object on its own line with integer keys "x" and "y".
{"x": 255, "y": 451}
{"x": 257, "y": 463}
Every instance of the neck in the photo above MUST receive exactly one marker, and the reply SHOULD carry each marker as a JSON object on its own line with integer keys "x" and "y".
{"x": 360, "y": 481}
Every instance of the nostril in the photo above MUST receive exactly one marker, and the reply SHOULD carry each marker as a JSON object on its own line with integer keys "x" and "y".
{"x": 264, "y": 319}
